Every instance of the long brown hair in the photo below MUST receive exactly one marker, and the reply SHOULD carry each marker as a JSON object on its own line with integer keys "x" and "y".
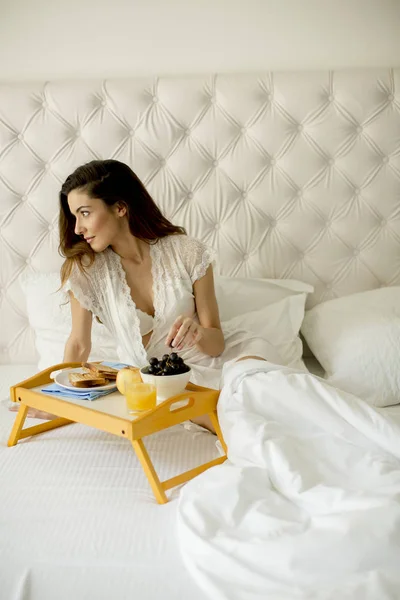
{"x": 111, "y": 181}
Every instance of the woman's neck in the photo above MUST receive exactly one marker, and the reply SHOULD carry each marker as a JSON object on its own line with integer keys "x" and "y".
{"x": 131, "y": 248}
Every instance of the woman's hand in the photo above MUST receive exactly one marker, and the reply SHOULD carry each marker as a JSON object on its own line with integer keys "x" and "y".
{"x": 184, "y": 333}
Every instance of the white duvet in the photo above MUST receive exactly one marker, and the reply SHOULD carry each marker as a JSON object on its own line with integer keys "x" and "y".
{"x": 308, "y": 504}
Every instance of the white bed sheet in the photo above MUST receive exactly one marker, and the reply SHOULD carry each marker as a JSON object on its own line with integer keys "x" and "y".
{"x": 307, "y": 504}
{"x": 78, "y": 518}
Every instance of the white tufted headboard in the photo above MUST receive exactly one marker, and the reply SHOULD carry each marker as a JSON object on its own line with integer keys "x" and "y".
{"x": 286, "y": 174}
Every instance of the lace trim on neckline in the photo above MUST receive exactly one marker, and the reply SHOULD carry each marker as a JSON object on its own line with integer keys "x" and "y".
{"x": 158, "y": 297}
{"x": 158, "y": 285}
{"x": 126, "y": 293}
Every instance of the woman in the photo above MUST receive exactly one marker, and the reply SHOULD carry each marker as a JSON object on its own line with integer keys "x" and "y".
{"x": 141, "y": 276}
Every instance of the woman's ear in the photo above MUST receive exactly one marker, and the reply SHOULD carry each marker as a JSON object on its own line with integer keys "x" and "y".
{"x": 120, "y": 209}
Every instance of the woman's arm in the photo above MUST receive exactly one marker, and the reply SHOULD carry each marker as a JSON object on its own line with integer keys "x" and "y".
{"x": 79, "y": 343}
{"x": 207, "y": 335}
{"x": 212, "y": 339}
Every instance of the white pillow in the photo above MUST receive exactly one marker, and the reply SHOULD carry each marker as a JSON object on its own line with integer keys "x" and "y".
{"x": 273, "y": 309}
{"x": 49, "y": 315}
{"x": 357, "y": 340}
{"x": 238, "y": 294}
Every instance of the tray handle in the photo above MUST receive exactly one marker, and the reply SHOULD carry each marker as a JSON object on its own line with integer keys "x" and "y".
{"x": 40, "y": 378}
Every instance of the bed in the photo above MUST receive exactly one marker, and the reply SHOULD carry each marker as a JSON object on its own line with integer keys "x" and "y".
{"x": 289, "y": 176}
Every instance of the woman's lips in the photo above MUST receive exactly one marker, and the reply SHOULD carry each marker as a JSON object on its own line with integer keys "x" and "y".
{"x": 89, "y": 239}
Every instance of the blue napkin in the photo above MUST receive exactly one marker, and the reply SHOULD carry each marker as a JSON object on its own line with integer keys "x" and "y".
{"x": 57, "y": 390}
{"x": 60, "y": 392}
{"x": 114, "y": 365}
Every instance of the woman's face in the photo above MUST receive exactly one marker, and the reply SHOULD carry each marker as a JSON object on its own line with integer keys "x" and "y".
{"x": 97, "y": 222}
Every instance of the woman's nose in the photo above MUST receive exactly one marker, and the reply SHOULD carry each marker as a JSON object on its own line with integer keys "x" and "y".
{"x": 78, "y": 228}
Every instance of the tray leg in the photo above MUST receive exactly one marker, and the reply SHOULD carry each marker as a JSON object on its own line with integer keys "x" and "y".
{"x": 19, "y": 433}
{"x": 150, "y": 471}
{"x": 47, "y": 426}
{"x": 18, "y": 425}
{"x": 214, "y": 420}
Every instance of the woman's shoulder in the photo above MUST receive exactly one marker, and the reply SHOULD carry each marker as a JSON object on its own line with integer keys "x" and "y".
{"x": 87, "y": 281}
{"x": 183, "y": 242}
{"x": 192, "y": 253}
{"x": 92, "y": 267}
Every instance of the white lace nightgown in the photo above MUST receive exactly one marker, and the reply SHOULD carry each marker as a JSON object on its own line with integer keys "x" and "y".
{"x": 177, "y": 262}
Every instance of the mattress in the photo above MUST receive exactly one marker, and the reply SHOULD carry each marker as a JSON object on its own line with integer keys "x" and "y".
{"x": 78, "y": 518}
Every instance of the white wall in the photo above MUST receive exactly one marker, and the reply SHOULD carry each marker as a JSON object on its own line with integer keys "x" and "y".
{"x": 89, "y": 38}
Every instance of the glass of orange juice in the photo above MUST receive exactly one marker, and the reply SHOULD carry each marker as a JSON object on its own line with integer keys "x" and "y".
{"x": 140, "y": 396}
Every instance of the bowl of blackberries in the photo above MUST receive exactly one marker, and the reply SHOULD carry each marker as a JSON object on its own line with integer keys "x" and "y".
{"x": 169, "y": 374}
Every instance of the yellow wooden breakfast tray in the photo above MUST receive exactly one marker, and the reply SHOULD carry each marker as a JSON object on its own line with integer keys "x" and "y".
{"x": 109, "y": 413}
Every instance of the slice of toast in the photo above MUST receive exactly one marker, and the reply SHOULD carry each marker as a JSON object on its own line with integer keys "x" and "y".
{"x": 86, "y": 380}
{"x": 101, "y": 370}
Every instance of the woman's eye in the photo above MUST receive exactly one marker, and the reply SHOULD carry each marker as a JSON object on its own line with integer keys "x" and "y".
{"x": 84, "y": 213}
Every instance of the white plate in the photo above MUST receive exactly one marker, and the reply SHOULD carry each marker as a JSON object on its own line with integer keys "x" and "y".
{"x": 62, "y": 379}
